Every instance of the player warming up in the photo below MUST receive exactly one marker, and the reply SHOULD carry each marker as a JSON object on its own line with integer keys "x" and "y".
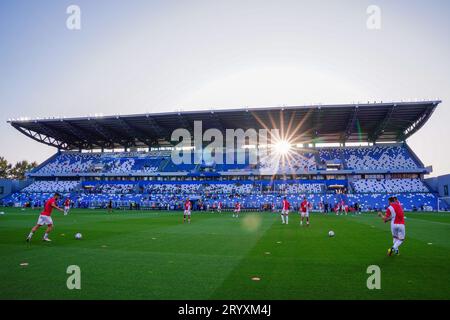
{"x": 187, "y": 211}
{"x": 237, "y": 210}
{"x": 285, "y": 211}
{"x": 395, "y": 214}
{"x": 66, "y": 206}
{"x": 110, "y": 206}
{"x": 304, "y": 211}
{"x": 45, "y": 218}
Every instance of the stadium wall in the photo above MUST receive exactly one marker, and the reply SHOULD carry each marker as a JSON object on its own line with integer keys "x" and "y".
{"x": 8, "y": 186}
{"x": 440, "y": 185}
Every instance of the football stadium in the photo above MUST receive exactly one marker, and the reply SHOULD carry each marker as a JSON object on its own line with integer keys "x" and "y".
{"x": 140, "y": 224}
{"x": 224, "y": 159}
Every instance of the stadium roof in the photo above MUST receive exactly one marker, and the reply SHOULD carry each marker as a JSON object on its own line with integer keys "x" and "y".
{"x": 372, "y": 122}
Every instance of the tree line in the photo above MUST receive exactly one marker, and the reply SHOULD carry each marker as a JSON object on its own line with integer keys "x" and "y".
{"x": 16, "y": 171}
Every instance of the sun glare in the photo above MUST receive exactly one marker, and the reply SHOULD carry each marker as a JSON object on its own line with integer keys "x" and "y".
{"x": 282, "y": 147}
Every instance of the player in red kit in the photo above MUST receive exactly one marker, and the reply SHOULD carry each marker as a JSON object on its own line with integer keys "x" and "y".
{"x": 66, "y": 206}
{"x": 342, "y": 207}
{"x": 219, "y": 207}
{"x": 45, "y": 217}
{"x": 285, "y": 205}
{"x": 187, "y": 210}
{"x": 237, "y": 210}
{"x": 395, "y": 214}
{"x": 304, "y": 211}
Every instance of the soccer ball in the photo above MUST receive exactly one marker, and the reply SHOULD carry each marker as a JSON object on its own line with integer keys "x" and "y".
{"x": 78, "y": 236}
{"x": 331, "y": 233}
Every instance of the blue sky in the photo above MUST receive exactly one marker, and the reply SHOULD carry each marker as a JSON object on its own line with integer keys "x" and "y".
{"x": 150, "y": 56}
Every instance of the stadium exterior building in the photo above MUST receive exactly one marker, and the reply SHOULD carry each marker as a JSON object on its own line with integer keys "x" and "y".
{"x": 127, "y": 159}
{"x": 441, "y": 185}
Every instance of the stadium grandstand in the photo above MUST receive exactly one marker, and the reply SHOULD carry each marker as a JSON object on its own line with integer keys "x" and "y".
{"x": 353, "y": 153}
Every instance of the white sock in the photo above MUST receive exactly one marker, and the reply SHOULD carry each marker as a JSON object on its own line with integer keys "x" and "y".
{"x": 301, "y": 222}
{"x": 287, "y": 219}
{"x": 46, "y": 235}
{"x": 282, "y": 218}
{"x": 394, "y": 244}
{"x": 397, "y": 244}
{"x": 30, "y": 235}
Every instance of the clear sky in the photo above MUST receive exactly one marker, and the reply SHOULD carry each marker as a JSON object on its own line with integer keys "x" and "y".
{"x": 149, "y": 56}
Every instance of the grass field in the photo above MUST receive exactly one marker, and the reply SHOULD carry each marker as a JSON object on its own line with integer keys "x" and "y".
{"x": 152, "y": 255}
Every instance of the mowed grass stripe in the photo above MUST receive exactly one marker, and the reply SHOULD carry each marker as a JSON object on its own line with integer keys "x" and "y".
{"x": 309, "y": 265}
{"x": 152, "y": 255}
{"x": 293, "y": 269}
{"x": 419, "y": 226}
{"x": 180, "y": 263}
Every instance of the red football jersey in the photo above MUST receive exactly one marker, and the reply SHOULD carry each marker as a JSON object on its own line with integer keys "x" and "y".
{"x": 304, "y": 205}
{"x": 395, "y": 211}
{"x": 187, "y": 205}
{"x": 48, "y": 207}
{"x": 286, "y": 205}
{"x": 67, "y": 202}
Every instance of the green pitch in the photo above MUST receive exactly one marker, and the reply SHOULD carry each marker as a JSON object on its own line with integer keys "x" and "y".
{"x": 152, "y": 255}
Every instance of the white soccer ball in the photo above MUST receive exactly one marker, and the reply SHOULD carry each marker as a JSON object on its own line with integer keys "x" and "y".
{"x": 331, "y": 233}
{"x": 78, "y": 236}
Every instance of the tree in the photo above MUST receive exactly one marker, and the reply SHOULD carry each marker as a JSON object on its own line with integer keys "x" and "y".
{"x": 21, "y": 168}
{"x": 5, "y": 168}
